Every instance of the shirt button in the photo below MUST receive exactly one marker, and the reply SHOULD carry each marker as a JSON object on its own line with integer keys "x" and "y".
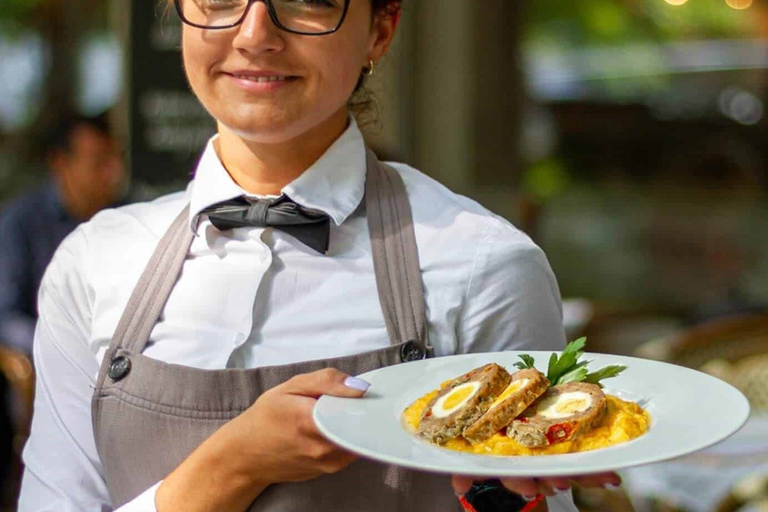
{"x": 412, "y": 351}
{"x": 119, "y": 368}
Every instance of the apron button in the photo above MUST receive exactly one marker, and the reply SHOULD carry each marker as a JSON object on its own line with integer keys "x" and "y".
{"x": 412, "y": 351}
{"x": 119, "y": 368}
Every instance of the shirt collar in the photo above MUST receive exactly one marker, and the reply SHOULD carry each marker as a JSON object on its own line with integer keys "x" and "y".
{"x": 334, "y": 184}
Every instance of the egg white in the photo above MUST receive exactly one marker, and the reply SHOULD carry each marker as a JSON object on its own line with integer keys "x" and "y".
{"x": 439, "y": 410}
{"x": 549, "y": 408}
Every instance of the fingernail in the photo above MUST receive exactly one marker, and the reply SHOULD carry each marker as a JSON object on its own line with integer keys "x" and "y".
{"x": 529, "y": 498}
{"x": 355, "y": 383}
{"x": 562, "y": 490}
{"x": 613, "y": 486}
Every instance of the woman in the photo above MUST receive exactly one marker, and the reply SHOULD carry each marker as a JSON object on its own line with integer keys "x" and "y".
{"x": 194, "y": 390}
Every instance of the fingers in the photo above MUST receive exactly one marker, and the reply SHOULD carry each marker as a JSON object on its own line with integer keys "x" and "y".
{"x": 326, "y": 382}
{"x": 526, "y": 487}
{"x": 599, "y": 480}
{"x": 461, "y": 484}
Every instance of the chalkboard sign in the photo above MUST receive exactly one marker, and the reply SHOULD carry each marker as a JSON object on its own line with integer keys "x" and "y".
{"x": 168, "y": 126}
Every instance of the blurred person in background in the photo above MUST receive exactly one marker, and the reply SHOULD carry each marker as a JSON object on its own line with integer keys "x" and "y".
{"x": 86, "y": 176}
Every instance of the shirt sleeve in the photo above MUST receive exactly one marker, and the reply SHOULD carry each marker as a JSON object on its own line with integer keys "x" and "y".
{"x": 17, "y": 326}
{"x": 513, "y": 301}
{"x": 62, "y": 469}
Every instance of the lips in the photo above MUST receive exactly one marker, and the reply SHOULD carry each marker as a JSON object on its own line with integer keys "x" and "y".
{"x": 260, "y": 82}
{"x": 263, "y": 79}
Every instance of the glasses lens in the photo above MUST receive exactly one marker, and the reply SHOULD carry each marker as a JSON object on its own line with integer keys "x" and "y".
{"x": 309, "y": 16}
{"x": 213, "y": 13}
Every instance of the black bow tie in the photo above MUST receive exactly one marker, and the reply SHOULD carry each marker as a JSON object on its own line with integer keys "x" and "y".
{"x": 310, "y": 227}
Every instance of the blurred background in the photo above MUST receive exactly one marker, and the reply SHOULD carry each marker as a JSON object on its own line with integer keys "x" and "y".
{"x": 627, "y": 137}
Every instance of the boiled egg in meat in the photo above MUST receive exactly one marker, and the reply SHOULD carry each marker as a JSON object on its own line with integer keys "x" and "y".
{"x": 564, "y": 405}
{"x": 513, "y": 388}
{"x": 455, "y": 400}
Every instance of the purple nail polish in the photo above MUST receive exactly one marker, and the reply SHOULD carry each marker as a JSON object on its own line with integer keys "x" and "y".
{"x": 355, "y": 383}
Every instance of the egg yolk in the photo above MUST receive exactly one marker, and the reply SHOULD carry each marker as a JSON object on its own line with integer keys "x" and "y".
{"x": 572, "y": 406}
{"x": 458, "y": 396}
{"x": 511, "y": 390}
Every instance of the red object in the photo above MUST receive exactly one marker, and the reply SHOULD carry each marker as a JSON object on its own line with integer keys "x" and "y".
{"x": 560, "y": 432}
{"x": 530, "y": 506}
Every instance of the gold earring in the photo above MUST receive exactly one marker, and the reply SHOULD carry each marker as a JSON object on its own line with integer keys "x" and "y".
{"x": 371, "y": 68}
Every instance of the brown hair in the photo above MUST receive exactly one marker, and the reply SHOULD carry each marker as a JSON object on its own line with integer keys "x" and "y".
{"x": 362, "y": 103}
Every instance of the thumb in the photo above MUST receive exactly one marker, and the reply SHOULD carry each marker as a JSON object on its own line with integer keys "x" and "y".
{"x": 330, "y": 382}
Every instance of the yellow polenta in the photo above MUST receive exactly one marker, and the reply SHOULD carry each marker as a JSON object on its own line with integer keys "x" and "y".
{"x": 623, "y": 422}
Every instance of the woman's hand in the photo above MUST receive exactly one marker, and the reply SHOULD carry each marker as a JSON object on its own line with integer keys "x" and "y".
{"x": 279, "y": 432}
{"x": 531, "y": 487}
{"x": 275, "y": 440}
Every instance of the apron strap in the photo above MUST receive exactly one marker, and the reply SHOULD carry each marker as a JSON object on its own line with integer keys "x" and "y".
{"x": 151, "y": 292}
{"x": 395, "y": 261}
{"x": 395, "y": 255}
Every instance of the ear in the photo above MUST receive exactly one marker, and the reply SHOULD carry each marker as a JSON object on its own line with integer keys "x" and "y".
{"x": 383, "y": 32}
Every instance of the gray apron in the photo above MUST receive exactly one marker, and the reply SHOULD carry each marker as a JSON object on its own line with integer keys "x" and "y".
{"x": 148, "y": 416}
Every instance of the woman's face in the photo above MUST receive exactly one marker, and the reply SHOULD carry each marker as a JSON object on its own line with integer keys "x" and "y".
{"x": 320, "y": 71}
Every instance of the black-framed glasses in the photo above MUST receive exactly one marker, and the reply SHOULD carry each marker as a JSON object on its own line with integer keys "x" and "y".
{"x": 305, "y": 17}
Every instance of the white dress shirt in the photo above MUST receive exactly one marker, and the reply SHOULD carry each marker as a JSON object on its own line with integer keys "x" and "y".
{"x": 255, "y": 297}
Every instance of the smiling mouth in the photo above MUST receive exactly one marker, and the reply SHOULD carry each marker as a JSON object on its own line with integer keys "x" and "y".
{"x": 265, "y": 79}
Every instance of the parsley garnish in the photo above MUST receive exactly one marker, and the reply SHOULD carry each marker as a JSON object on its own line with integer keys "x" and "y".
{"x": 569, "y": 368}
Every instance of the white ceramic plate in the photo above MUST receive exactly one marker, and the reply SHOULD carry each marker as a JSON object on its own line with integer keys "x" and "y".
{"x": 690, "y": 411}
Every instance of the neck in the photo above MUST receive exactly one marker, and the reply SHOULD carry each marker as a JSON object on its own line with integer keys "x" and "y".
{"x": 265, "y": 169}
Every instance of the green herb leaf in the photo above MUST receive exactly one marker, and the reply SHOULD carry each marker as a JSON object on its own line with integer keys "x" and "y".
{"x": 575, "y": 375}
{"x": 576, "y": 345}
{"x": 604, "y": 373}
{"x": 552, "y": 366}
{"x": 566, "y": 362}
{"x": 526, "y": 363}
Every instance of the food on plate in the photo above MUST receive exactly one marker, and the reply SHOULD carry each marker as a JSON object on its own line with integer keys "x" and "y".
{"x": 563, "y": 413}
{"x": 525, "y": 387}
{"x": 461, "y": 402}
{"x": 487, "y": 411}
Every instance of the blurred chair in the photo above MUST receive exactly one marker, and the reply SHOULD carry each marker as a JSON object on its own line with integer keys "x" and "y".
{"x": 602, "y": 500}
{"x": 748, "y": 495}
{"x": 612, "y": 330}
{"x": 17, "y": 371}
{"x": 734, "y": 349}
{"x": 731, "y": 339}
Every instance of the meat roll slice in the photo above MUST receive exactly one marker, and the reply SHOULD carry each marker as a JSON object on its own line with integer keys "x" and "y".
{"x": 563, "y": 413}
{"x": 525, "y": 387}
{"x": 462, "y": 402}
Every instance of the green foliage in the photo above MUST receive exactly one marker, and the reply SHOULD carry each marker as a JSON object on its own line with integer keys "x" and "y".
{"x": 568, "y": 367}
{"x": 526, "y": 363}
{"x": 567, "y": 362}
{"x": 615, "y": 22}
{"x": 605, "y": 373}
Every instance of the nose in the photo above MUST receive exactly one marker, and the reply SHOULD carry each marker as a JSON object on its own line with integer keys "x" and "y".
{"x": 258, "y": 33}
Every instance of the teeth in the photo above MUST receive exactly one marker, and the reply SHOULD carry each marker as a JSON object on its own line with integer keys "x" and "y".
{"x": 262, "y": 79}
